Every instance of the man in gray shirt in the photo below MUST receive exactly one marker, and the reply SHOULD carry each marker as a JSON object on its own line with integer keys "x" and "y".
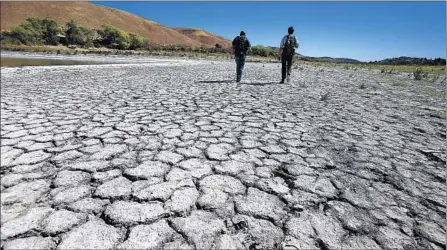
{"x": 286, "y": 52}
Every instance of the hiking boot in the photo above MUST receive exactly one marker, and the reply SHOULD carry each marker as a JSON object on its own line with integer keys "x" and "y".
{"x": 281, "y": 82}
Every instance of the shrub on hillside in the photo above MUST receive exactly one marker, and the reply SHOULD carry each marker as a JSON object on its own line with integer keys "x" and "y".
{"x": 24, "y": 36}
{"x": 74, "y": 34}
{"x": 51, "y": 30}
{"x": 136, "y": 42}
{"x": 89, "y": 36}
{"x": 79, "y": 35}
{"x": 118, "y": 39}
{"x": 263, "y": 51}
{"x": 114, "y": 37}
{"x": 36, "y": 31}
{"x": 122, "y": 40}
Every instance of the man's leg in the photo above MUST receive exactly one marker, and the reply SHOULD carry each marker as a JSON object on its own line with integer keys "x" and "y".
{"x": 241, "y": 66}
{"x": 289, "y": 66}
{"x": 283, "y": 68}
{"x": 238, "y": 76}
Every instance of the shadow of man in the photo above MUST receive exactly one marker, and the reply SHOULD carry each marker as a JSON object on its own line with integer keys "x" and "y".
{"x": 259, "y": 83}
{"x": 219, "y": 81}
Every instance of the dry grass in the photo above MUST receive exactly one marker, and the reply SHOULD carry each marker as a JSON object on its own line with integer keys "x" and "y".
{"x": 440, "y": 114}
{"x": 399, "y": 84}
{"x": 105, "y": 51}
{"x": 428, "y": 71}
{"x": 438, "y": 94}
{"x": 204, "y": 37}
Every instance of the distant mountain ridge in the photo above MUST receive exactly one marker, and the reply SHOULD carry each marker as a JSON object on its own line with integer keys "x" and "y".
{"x": 329, "y": 59}
{"x": 320, "y": 59}
{"x": 405, "y": 60}
{"x": 388, "y": 61}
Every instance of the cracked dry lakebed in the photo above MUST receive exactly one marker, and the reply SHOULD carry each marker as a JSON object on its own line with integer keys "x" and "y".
{"x": 173, "y": 154}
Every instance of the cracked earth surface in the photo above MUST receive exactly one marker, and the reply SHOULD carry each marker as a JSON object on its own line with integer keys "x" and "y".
{"x": 174, "y": 156}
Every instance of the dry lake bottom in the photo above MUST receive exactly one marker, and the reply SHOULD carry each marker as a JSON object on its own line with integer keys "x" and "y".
{"x": 173, "y": 154}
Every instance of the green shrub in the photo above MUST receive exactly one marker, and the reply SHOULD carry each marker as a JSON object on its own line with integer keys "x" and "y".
{"x": 418, "y": 74}
{"x": 113, "y": 37}
{"x": 136, "y": 42}
{"x": 51, "y": 30}
{"x": 26, "y": 36}
{"x": 79, "y": 35}
{"x": 399, "y": 84}
{"x": 263, "y": 51}
{"x": 74, "y": 34}
{"x": 36, "y": 31}
{"x": 7, "y": 40}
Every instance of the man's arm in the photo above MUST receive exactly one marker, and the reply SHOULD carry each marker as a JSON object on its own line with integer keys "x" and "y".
{"x": 296, "y": 42}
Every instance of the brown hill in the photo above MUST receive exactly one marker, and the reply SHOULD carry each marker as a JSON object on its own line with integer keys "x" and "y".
{"x": 94, "y": 16}
{"x": 204, "y": 37}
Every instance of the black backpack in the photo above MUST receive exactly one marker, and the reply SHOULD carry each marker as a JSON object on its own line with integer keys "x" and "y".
{"x": 289, "y": 46}
{"x": 241, "y": 43}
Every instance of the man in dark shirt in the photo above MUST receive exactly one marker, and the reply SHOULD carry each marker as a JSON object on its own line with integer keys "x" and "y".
{"x": 241, "y": 45}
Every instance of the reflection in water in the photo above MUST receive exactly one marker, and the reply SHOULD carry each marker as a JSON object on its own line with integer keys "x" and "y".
{"x": 18, "y": 62}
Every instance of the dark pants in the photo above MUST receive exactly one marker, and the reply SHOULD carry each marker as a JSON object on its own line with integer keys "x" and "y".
{"x": 240, "y": 62}
{"x": 286, "y": 69}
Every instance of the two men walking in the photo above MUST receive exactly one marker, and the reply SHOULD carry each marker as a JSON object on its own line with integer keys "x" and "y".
{"x": 241, "y": 45}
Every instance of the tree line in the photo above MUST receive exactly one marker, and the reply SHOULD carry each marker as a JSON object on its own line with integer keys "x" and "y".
{"x": 44, "y": 31}
{"x": 37, "y": 31}
{"x": 411, "y": 61}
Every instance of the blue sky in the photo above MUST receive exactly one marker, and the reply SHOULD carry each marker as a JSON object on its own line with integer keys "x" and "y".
{"x": 360, "y": 30}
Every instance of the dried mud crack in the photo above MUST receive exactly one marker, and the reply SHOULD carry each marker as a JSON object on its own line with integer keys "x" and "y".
{"x": 177, "y": 156}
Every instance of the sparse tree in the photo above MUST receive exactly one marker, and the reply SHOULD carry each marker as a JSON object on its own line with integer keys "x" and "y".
{"x": 51, "y": 30}
{"x": 74, "y": 34}
{"x": 136, "y": 42}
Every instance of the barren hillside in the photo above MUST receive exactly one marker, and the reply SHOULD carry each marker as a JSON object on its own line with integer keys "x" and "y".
{"x": 94, "y": 16}
{"x": 204, "y": 37}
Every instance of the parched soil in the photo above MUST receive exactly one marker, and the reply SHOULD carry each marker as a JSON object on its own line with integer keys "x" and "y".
{"x": 176, "y": 155}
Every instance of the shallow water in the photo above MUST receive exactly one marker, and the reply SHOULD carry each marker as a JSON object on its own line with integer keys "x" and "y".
{"x": 19, "y": 62}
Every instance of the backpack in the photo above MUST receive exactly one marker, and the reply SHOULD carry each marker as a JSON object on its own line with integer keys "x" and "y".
{"x": 289, "y": 46}
{"x": 241, "y": 45}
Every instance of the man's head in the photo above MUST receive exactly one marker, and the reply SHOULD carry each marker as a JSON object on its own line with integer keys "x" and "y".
{"x": 242, "y": 33}
{"x": 290, "y": 30}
